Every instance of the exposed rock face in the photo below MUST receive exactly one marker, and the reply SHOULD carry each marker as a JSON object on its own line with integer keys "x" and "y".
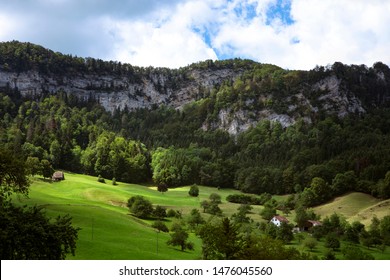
{"x": 113, "y": 91}
{"x": 157, "y": 88}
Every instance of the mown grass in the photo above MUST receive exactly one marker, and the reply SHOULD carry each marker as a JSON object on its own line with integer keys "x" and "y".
{"x": 109, "y": 231}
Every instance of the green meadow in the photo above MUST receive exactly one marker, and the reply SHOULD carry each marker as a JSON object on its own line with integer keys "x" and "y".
{"x": 109, "y": 231}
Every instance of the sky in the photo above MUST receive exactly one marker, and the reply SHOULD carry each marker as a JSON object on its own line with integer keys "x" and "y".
{"x": 293, "y": 34}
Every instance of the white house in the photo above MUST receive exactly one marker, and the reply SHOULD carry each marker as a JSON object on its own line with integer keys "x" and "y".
{"x": 278, "y": 220}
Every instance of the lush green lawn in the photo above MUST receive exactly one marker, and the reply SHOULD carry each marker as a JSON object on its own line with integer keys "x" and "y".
{"x": 108, "y": 231}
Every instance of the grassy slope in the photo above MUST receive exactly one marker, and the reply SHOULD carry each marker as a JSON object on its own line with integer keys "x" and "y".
{"x": 107, "y": 229}
{"x": 109, "y": 232}
{"x": 355, "y": 207}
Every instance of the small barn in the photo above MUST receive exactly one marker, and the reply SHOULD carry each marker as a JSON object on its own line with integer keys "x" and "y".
{"x": 278, "y": 220}
{"x": 58, "y": 176}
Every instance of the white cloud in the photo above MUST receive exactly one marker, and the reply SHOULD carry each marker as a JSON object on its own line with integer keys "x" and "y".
{"x": 176, "y": 33}
{"x": 166, "y": 39}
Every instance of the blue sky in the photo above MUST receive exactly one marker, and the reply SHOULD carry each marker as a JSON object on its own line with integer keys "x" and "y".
{"x": 294, "y": 34}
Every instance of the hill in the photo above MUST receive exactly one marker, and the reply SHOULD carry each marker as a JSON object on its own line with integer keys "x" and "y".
{"x": 235, "y": 124}
{"x": 355, "y": 207}
{"x": 108, "y": 231}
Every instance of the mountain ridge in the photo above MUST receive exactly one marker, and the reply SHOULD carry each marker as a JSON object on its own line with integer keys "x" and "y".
{"x": 245, "y": 92}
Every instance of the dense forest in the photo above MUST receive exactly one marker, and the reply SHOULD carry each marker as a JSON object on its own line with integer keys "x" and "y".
{"x": 317, "y": 159}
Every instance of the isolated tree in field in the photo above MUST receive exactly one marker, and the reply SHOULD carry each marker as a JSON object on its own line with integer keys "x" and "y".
{"x": 195, "y": 219}
{"x": 215, "y": 198}
{"x": 162, "y": 187}
{"x": 205, "y": 204}
{"x": 140, "y": 206}
{"x": 160, "y": 226}
{"x": 179, "y": 237}
{"x": 194, "y": 191}
{"x": 160, "y": 212}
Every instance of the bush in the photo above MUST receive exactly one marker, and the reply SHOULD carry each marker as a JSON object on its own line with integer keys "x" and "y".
{"x": 248, "y": 199}
{"x": 194, "y": 191}
{"x": 140, "y": 206}
{"x": 101, "y": 179}
{"x": 113, "y": 181}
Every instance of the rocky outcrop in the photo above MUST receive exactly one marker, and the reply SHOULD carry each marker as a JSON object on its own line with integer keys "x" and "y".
{"x": 115, "y": 91}
{"x": 118, "y": 92}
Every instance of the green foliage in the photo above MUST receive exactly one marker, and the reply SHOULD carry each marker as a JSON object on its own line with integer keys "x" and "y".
{"x": 160, "y": 212}
{"x": 139, "y": 206}
{"x": 28, "y": 234}
{"x": 195, "y": 219}
{"x": 179, "y": 237}
{"x": 160, "y": 226}
{"x": 351, "y": 252}
{"x": 310, "y": 243}
{"x": 101, "y": 179}
{"x": 194, "y": 191}
{"x": 332, "y": 241}
{"x": 13, "y": 175}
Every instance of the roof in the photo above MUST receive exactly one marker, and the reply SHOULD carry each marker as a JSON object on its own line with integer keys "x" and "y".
{"x": 281, "y": 219}
{"x": 58, "y": 174}
{"x": 314, "y": 223}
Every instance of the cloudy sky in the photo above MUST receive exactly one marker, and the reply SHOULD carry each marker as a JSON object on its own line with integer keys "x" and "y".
{"x": 294, "y": 34}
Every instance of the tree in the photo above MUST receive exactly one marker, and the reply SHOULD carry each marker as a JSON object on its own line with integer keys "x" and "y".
{"x": 220, "y": 240}
{"x": 310, "y": 243}
{"x": 384, "y": 228}
{"x": 215, "y": 198}
{"x": 159, "y": 212}
{"x": 162, "y": 187}
{"x": 195, "y": 219}
{"x": 160, "y": 226}
{"x": 268, "y": 211}
{"x": 194, "y": 191}
{"x": 355, "y": 253}
{"x": 205, "y": 204}
{"x": 284, "y": 233}
{"x": 332, "y": 241}
{"x": 47, "y": 169}
{"x": 27, "y": 234}
{"x": 33, "y": 166}
{"x": 240, "y": 217}
{"x": 179, "y": 238}
{"x": 13, "y": 175}
{"x": 140, "y": 206}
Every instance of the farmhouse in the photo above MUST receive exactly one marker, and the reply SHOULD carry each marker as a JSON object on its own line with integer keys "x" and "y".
{"x": 278, "y": 220}
{"x": 307, "y": 225}
{"x": 58, "y": 176}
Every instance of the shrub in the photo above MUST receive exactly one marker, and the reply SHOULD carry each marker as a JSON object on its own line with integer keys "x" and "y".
{"x": 194, "y": 191}
{"x": 101, "y": 179}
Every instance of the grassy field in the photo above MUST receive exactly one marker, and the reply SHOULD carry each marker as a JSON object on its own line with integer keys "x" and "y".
{"x": 108, "y": 231}
{"x": 355, "y": 207}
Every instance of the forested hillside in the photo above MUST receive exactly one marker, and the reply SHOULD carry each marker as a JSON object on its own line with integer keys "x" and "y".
{"x": 255, "y": 127}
